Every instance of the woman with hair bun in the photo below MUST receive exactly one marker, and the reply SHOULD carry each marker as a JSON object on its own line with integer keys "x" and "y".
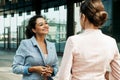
{"x": 87, "y": 55}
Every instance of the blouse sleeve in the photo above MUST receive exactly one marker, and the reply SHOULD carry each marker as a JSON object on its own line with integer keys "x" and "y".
{"x": 115, "y": 66}
{"x": 66, "y": 63}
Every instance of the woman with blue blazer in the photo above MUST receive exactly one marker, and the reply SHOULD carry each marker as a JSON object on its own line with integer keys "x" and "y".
{"x": 36, "y": 57}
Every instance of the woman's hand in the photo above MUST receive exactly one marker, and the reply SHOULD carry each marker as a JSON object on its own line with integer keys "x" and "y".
{"x": 107, "y": 75}
{"x": 44, "y": 71}
{"x": 48, "y": 71}
{"x": 37, "y": 69}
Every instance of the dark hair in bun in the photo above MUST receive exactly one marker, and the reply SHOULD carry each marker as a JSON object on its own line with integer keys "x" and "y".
{"x": 94, "y": 11}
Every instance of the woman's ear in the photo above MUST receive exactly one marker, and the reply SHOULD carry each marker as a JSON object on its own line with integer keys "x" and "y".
{"x": 83, "y": 19}
{"x": 34, "y": 30}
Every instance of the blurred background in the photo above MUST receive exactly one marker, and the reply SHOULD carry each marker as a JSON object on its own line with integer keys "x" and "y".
{"x": 62, "y": 17}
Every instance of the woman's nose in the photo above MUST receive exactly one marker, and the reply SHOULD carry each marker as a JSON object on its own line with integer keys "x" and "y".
{"x": 46, "y": 25}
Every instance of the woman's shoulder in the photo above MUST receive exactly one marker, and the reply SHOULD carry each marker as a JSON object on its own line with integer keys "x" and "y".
{"x": 49, "y": 42}
{"x": 74, "y": 37}
{"x": 25, "y": 42}
{"x": 110, "y": 38}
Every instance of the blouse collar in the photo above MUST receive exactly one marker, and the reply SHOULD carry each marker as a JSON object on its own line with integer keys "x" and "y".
{"x": 92, "y": 30}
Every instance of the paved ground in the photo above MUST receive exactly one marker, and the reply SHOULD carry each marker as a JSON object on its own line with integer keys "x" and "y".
{"x": 6, "y": 59}
{"x": 6, "y": 74}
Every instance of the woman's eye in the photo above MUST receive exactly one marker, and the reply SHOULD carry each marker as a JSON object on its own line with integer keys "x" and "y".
{"x": 41, "y": 24}
{"x": 46, "y": 23}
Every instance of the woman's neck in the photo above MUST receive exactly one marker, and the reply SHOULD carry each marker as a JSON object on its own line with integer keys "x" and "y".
{"x": 89, "y": 25}
{"x": 40, "y": 38}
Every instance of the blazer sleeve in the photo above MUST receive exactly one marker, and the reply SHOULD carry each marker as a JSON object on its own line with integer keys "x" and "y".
{"x": 66, "y": 63}
{"x": 55, "y": 65}
{"x": 115, "y": 66}
{"x": 18, "y": 66}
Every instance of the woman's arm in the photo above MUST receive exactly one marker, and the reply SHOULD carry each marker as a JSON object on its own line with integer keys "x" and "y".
{"x": 37, "y": 69}
{"x": 19, "y": 60}
{"x": 66, "y": 64}
{"x": 107, "y": 75}
{"x": 55, "y": 65}
{"x": 115, "y": 66}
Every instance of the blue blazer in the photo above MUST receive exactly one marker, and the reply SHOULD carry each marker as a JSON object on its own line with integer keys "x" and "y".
{"x": 29, "y": 54}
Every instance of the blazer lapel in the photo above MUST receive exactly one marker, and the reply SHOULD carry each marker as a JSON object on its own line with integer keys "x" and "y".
{"x": 49, "y": 50}
{"x": 42, "y": 54}
{"x": 36, "y": 44}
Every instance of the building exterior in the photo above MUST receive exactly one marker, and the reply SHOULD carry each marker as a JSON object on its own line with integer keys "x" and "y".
{"x": 14, "y": 15}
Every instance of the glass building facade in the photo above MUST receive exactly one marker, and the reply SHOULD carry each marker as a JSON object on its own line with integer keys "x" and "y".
{"x": 14, "y": 18}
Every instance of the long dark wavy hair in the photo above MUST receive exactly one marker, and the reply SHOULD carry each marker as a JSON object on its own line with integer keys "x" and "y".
{"x": 31, "y": 25}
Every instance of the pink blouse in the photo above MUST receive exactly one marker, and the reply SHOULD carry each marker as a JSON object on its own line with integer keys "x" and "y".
{"x": 88, "y": 55}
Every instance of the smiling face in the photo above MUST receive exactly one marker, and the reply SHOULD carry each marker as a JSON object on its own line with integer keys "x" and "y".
{"x": 41, "y": 27}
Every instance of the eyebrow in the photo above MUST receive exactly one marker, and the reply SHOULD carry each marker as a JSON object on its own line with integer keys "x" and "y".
{"x": 41, "y": 22}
